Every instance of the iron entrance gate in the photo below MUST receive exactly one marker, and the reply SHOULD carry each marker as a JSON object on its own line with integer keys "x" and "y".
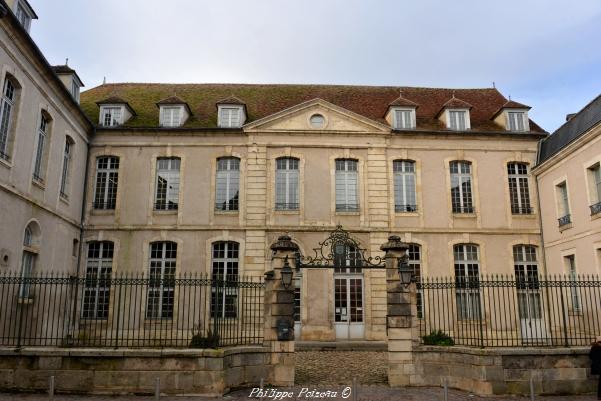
{"x": 343, "y": 254}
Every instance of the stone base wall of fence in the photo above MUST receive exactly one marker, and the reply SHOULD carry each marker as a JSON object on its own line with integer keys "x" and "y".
{"x": 498, "y": 371}
{"x": 210, "y": 372}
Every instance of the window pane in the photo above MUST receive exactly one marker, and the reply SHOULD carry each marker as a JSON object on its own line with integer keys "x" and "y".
{"x": 227, "y": 184}
{"x": 167, "y": 184}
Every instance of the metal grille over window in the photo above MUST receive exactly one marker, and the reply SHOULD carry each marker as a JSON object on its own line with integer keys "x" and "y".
{"x": 224, "y": 289}
{"x": 574, "y": 287}
{"x": 161, "y": 284}
{"x": 347, "y": 185}
{"x": 528, "y": 288}
{"x": 6, "y": 108}
{"x": 167, "y": 184}
{"x": 287, "y": 184}
{"x": 404, "y": 186}
{"x": 415, "y": 262}
{"x": 519, "y": 192}
{"x": 107, "y": 180}
{"x": 39, "y": 154}
{"x": 467, "y": 271}
{"x": 27, "y": 263}
{"x": 227, "y": 183}
{"x": 461, "y": 187}
{"x": 458, "y": 120}
{"x": 97, "y": 287}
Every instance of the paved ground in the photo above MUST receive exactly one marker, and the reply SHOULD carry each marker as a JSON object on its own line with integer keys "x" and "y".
{"x": 340, "y": 367}
{"x": 367, "y": 393}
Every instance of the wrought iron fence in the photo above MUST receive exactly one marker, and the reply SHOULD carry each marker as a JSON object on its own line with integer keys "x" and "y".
{"x": 104, "y": 309}
{"x": 505, "y": 311}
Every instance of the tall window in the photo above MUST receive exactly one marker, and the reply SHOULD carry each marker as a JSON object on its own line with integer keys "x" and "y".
{"x": 171, "y": 116}
{"x": 286, "y": 184}
{"x": 461, "y": 187}
{"x": 67, "y": 154}
{"x": 457, "y": 120}
{"x": 347, "y": 185}
{"x": 6, "y": 110}
{"x": 563, "y": 204}
{"x": 574, "y": 294}
{"x": 111, "y": 116}
{"x": 97, "y": 288}
{"x": 224, "y": 295}
{"x": 404, "y": 119}
{"x": 27, "y": 262}
{"x": 594, "y": 176}
{"x": 415, "y": 262}
{"x": 38, "y": 165}
{"x": 519, "y": 193}
{"x": 227, "y": 183}
{"x": 527, "y": 282}
{"x": 161, "y": 285}
{"x": 230, "y": 117}
{"x": 167, "y": 184}
{"x": 404, "y": 186}
{"x": 107, "y": 179}
{"x": 516, "y": 120}
{"x": 23, "y": 16}
{"x": 467, "y": 270}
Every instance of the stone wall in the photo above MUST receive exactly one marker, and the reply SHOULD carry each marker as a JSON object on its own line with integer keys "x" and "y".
{"x": 127, "y": 371}
{"x": 504, "y": 371}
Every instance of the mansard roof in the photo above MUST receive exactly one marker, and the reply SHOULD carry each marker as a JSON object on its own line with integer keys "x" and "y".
{"x": 264, "y": 100}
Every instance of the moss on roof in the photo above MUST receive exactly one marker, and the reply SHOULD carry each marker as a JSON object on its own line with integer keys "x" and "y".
{"x": 264, "y": 100}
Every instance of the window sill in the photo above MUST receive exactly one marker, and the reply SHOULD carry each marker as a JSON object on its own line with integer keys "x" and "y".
{"x": 39, "y": 184}
{"x": 406, "y": 214}
{"x": 64, "y": 198}
{"x": 5, "y": 163}
{"x": 227, "y": 212}
{"x": 343, "y": 213}
{"x": 464, "y": 215}
{"x": 595, "y": 216}
{"x": 565, "y": 227}
{"x": 102, "y": 212}
{"x": 524, "y": 215}
{"x": 286, "y": 211}
{"x": 25, "y": 301}
{"x": 165, "y": 212}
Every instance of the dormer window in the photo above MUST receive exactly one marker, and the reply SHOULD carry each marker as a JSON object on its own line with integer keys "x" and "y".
{"x": 171, "y": 116}
{"x": 111, "y": 116}
{"x": 230, "y": 116}
{"x": 458, "y": 120}
{"x": 516, "y": 121}
{"x": 24, "y": 14}
{"x": 75, "y": 90}
{"x": 404, "y": 118}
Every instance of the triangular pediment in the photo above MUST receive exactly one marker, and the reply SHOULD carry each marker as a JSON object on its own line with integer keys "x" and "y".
{"x": 298, "y": 118}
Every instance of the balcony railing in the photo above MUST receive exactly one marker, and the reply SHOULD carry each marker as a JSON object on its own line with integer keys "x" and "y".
{"x": 521, "y": 209}
{"x": 108, "y": 205}
{"x": 405, "y": 208}
{"x": 347, "y": 208}
{"x": 596, "y": 208}
{"x": 463, "y": 209}
{"x": 565, "y": 220}
{"x": 286, "y": 206}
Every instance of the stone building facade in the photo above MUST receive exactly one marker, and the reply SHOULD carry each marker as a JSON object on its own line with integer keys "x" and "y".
{"x": 206, "y": 177}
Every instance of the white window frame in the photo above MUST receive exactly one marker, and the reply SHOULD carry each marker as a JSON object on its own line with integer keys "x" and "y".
{"x": 225, "y": 271}
{"x": 97, "y": 286}
{"x": 573, "y": 277}
{"x": 106, "y": 183}
{"x": 66, "y": 171}
{"x": 563, "y": 199}
{"x": 515, "y": 118}
{"x": 23, "y": 15}
{"x": 452, "y": 122}
{"x": 227, "y": 184}
{"x": 347, "y": 185}
{"x": 169, "y": 200}
{"x": 594, "y": 179}
{"x": 75, "y": 91}
{"x": 467, "y": 283}
{"x": 466, "y": 198}
{"x": 415, "y": 262}
{"x": 161, "y": 275}
{"x": 42, "y": 138}
{"x": 287, "y": 183}
{"x": 405, "y": 182}
{"x": 108, "y": 110}
{"x": 7, "y": 104}
{"x": 169, "y": 117}
{"x": 226, "y": 116}
{"x": 400, "y": 119}
{"x": 519, "y": 188}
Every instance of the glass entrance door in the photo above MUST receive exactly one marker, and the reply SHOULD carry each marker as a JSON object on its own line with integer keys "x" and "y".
{"x": 348, "y": 295}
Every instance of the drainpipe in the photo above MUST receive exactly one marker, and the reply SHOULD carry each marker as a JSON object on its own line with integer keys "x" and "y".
{"x": 540, "y": 215}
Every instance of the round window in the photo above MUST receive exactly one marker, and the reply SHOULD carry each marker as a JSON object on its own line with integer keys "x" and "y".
{"x": 317, "y": 121}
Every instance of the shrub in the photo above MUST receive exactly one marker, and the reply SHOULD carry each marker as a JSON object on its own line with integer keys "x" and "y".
{"x": 438, "y": 337}
{"x": 209, "y": 341}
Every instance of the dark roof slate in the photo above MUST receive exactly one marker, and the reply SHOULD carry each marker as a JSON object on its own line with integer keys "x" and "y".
{"x": 264, "y": 100}
{"x": 401, "y": 101}
{"x": 574, "y": 128}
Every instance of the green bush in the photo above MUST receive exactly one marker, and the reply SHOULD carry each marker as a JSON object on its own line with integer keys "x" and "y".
{"x": 209, "y": 341}
{"x": 438, "y": 338}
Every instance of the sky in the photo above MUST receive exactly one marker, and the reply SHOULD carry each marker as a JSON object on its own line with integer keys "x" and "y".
{"x": 544, "y": 53}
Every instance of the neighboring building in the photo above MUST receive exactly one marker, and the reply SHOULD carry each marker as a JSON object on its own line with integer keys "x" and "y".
{"x": 568, "y": 173}
{"x": 44, "y": 139}
{"x": 204, "y": 178}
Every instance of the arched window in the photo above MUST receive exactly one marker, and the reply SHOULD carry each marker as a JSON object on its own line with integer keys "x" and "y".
{"x": 41, "y": 154}
{"x": 97, "y": 289}
{"x": 8, "y": 102}
{"x": 287, "y": 184}
{"x": 107, "y": 180}
{"x": 227, "y": 185}
{"x": 28, "y": 260}
{"x": 224, "y": 275}
{"x": 161, "y": 286}
{"x": 461, "y": 187}
{"x": 467, "y": 276}
{"x": 65, "y": 175}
